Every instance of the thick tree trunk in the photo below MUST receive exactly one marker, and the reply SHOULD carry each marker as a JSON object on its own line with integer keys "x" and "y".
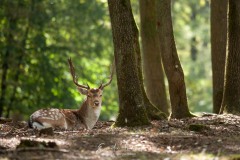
{"x": 231, "y": 96}
{"x": 218, "y": 44}
{"x": 132, "y": 111}
{"x": 172, "y": 66}
{"x": 152, "y": 61}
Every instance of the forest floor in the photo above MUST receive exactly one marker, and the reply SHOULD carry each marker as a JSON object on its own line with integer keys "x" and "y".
{"x": 215, "y": 137}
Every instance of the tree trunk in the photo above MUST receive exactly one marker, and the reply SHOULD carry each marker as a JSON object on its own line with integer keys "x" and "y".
{"x": 193, "y": 49}
{"x": 132, "y": 111}
{"x": 4, "y": 81}
{"x": 152, "y": 111}
{"x": 16, "y": 76}
{"x": 231, "y": 95}
{"x": 152, "y": 61}
{"x": 172, "y": 66}
{"x": 5, "y": 65}
{"x": 218, "y": 44}
{"x": 22, "y": 53}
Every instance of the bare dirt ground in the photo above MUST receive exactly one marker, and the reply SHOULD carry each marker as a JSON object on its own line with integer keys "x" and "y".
{"x": 209, "y": 137}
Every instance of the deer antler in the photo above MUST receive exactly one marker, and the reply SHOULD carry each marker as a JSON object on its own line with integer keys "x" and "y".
{"x": 75, "y": 79}
{"x": 110, "y": 77}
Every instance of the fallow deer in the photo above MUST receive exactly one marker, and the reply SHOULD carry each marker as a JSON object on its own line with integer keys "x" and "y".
{"x": 85, "y": 117}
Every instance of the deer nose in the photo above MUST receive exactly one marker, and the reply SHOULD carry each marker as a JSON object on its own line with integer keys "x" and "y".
{"x": 96, "y": 103}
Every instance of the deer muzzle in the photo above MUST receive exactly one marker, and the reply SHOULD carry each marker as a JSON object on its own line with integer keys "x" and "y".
{"x": 96, "y": 103}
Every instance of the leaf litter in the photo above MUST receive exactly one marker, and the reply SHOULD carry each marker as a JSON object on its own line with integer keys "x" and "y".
{"x": 209, "y": 136}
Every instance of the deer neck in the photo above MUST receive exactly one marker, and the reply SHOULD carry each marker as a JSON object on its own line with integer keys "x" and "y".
{"x": 89, "y": 115}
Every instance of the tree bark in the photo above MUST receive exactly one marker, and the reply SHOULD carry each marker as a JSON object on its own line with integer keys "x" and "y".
{"x": 231, "y": 95}
{"x": 172, "y": 66}
{"x": 218, "y": 49}
{"x": 152, "y": 61}
{"x": 132, "y": 110}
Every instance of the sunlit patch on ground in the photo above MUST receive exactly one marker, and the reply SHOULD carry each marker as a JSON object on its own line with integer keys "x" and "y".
{"x": 9, "y": 142}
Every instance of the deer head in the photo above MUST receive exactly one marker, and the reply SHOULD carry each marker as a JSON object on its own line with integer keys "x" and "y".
{"x": 94, "y": 95}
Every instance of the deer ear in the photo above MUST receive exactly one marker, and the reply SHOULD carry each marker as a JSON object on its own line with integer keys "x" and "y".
{"x": 82, "y": 91}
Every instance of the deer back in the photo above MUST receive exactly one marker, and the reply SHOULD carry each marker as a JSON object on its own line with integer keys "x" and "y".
{"x": 45, "y": 118}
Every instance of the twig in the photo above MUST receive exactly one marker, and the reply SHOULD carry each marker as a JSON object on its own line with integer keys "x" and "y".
{"x": 9, "y": 132}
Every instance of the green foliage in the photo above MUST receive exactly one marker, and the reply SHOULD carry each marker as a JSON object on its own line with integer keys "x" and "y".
{"x": 234, "y": 157}
{"x": 55, "y": 30}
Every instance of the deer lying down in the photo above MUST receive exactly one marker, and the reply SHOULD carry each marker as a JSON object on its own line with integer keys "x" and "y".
{"x": 85, "y": 117}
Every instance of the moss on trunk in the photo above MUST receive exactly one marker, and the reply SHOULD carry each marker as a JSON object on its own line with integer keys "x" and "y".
{"x": 132, "y": 111}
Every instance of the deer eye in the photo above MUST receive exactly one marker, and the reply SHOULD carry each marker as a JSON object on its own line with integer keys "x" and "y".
{"x": 100, "y": 95}
{"x": 88, "y": 95}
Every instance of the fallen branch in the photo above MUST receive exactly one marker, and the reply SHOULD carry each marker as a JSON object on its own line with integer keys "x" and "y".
{"x": 28, "y": 149}
{"x": 42, "y": 149}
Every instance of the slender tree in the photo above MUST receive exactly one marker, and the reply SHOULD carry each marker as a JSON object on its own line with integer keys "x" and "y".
{"x": 20, "y": 58}
{"x": 132, "y": 110}
{"x": 152, "y": 111}
{"x": 193, "y": 48}
{"x": 218, "y": 49}
{"x": 231, "y": 95}
{"x": 9, "y": 36}
{"x": 152, "y": 61}
{"x": 172, "y": 65}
